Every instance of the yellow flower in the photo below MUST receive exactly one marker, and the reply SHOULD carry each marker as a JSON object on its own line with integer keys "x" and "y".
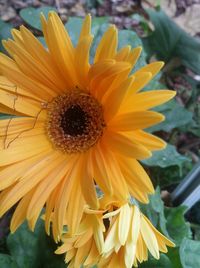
{"x": 119, "y": 239}
{"x": 129, "y": 238}
{"x": 84, "y": 248}
{"x": 80, "y": 124}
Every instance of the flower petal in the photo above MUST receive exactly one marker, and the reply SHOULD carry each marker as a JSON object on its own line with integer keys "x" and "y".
{"x": 120, "y": 144}
{"x": 108, "y": 45}
{"x": 135, "y": 120}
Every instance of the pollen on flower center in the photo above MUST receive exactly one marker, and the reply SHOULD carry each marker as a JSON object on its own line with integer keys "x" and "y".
{"x": 75, "y": 121}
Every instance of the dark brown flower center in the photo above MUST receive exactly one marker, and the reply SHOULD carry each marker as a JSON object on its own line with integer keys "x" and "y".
{"x": 75, "y": 121}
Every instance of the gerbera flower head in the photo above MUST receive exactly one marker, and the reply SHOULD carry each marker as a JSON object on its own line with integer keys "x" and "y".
{"x": 129, "y": 237}
{"x": 119, "y": 238}
{"x": 84, "y": 247}
{"x": 79, "y": 124}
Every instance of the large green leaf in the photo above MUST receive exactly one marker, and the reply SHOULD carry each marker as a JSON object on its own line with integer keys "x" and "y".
{"x": 175, "y": 116}
{"x": 165, "y": 158}
{"x": 176, "y": 225}
{"x": 5, "y": 29}
{"x": 169, "y": 41}
{"x": 7, "y": 261}
{"x": 31, "y": 15}
{"x": 73, "y": 27}
{"x": 155, "y": 211}
{"x": 170, "y": 175}
{"x": 190, "y": 253}
{"x": 174, "y": 256}
{"x": 33, "y": 249}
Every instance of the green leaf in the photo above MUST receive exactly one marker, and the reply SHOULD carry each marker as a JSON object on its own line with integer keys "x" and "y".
{"x": 173, "y": 255}
{"x": 169, "y": 175}
{"x": 33, "y": 249}
{"x": 155, "y": 211}
{"x": 177, "y": 227}
{"x": 73, "y": 27}
{"x": 5, "y": 29}
{"x": 175, "y": 116}
{"x": 31, "y": 15}
{"x": 165, "y": 158}
{"x": 97, "y": 22}
{"x": 163, "y": 262}
{"x": 189, "y": 253}
{"x": 170, "y": 41}
{"x": 7, "y": 261}
{"x": 128, "y": 37}
{"x": 42, "y": 40}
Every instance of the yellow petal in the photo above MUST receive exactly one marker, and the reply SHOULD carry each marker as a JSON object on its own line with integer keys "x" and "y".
{"x": 12, "y": 173}
{"x": 123, "y": 53}
{"x": 87, "y": 182}
{"x": 120, "y": 144}
{"x": 100, "y": 173}
{"x": 45, "y": 187}
{"x": 6, "y": 85}
{"x": 81, "y": 254}
{"x": 86, "y": 28}
{"x": 50, "y": 204}
{"x": 64, "y": 248}
{"x": 10, "y": 69}
{"x": 63, "y": 196}
{"x": 135, "y": 120}
{"x": 60, "y": 47}
{"x": 136, "y": 173}
{"x": 134, "y": 55}
{"x": 149, "y": 238}
{"x": 20, "y": 104}
{"x": 109, "y": 78}
{"x": 30, "y": 179}
{"x": 32, "y": 67}
{"x": 111, "y": 238}
{"x": 82, "y": 60}
{"x": 115, "y": 98}
{"x": 148, "y": 140}
{"x": 118, "y": 182}
{"x": 124, "y": 224}
{"x": 19, "y": 215}
{"x": 108, "y": 45}
{"x": 141, "y": 80}
{"x": 162, "y": 240}
{"x": 76, "y": 204}
{"x": 153, "y": 68}
{"x": 92, "y": 256}
{"x": 24, "y": 148}
{"x": 148, "y": 100}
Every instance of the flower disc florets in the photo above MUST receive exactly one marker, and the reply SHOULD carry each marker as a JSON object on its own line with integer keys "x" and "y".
{"x": 75, "y": 121}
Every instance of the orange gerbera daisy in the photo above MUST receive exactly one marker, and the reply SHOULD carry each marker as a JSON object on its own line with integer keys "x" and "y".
{"x": 78, "y": 124}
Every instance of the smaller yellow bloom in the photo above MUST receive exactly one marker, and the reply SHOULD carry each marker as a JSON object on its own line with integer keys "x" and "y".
{"x": 84, "y": 248}
{"x": 129, "y": 238}
{"x": 120, "y": 238}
